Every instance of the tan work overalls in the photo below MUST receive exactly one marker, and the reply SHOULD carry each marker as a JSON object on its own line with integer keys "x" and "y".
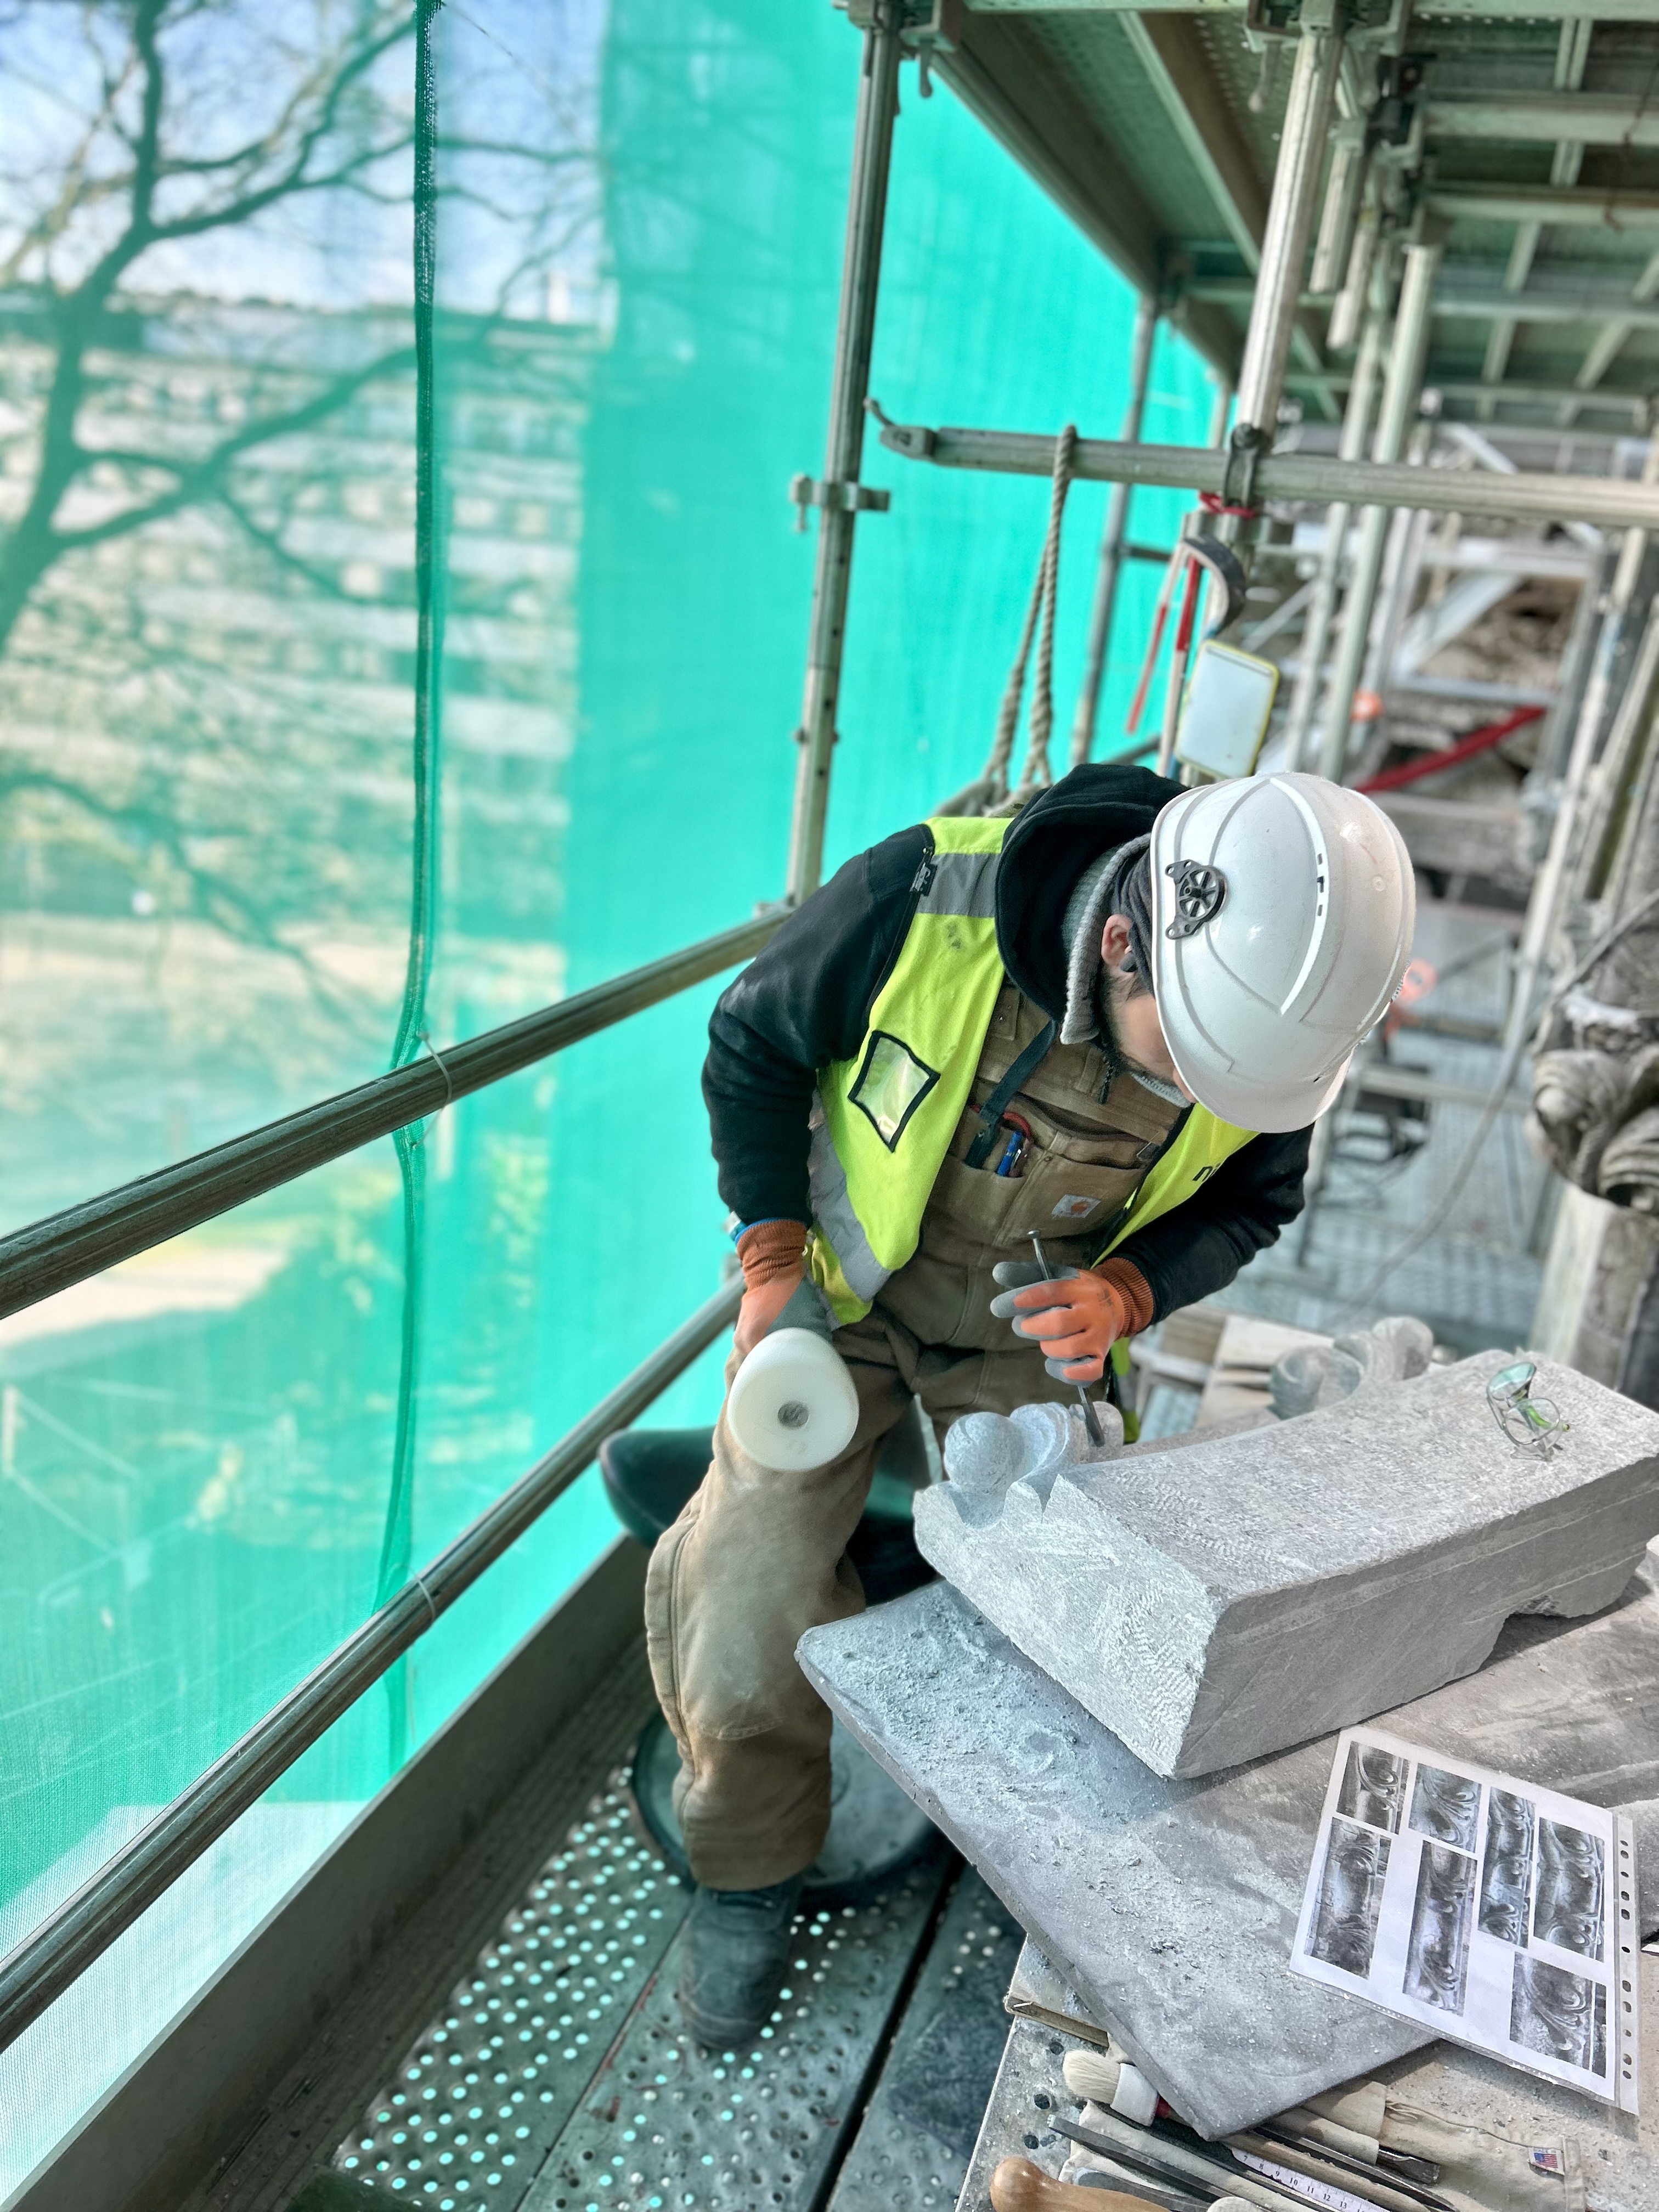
{"x": 757, "y": 1557}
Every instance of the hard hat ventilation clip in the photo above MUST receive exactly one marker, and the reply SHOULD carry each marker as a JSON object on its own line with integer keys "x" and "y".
{"x": 1200, "y": 891}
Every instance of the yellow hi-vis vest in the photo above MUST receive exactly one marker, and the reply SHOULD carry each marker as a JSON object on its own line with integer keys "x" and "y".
{"x": 882, "y": 1121}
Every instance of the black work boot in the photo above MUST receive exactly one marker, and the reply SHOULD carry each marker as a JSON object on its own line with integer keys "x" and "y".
{"x": 737, "y": 1953}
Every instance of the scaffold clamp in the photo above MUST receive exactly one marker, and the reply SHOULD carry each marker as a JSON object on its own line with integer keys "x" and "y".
{"x": 851, "y": 498}
{"x": 1245, "y": 450}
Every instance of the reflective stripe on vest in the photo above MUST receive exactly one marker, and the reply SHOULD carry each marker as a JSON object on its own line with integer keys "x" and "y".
{"x": 882, "y": 1121}
{"x": 832, "y": 1213}
{"x": 963, "y": 884}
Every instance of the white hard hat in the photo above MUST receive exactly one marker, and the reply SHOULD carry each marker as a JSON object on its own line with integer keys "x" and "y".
{"x": 1282, "y": 908}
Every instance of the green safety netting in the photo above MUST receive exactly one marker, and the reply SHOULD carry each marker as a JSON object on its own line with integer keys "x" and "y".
{"x": 351, "y": 703}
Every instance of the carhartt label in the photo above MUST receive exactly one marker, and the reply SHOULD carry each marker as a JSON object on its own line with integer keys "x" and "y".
{"x": 1075, "y": 1209}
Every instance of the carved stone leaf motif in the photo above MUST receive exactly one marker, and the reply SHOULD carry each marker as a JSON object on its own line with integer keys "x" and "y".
{"x": 1593, "y": 1116}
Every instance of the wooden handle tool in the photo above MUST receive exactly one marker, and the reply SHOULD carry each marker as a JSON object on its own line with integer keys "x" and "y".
{"x": 1018, "y": 2186}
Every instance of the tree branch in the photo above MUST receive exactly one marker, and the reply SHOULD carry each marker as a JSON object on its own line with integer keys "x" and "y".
{"x": 197, "y": 480}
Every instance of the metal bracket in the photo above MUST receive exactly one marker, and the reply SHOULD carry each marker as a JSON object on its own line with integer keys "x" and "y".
{"x": 1245, "y": 451}
{"x": 1395, "y": 120}
{"x": 1228, "y": 571}
{"x": 927, "y": 26}
{"x": 940, "y": 28}
{"x": 938, "y": 21}
{"x": 1363, "y": 22}
{"x": 913, "y": 439}
{"x": 848, "y": 498}
{"x": 1271, "y": 19}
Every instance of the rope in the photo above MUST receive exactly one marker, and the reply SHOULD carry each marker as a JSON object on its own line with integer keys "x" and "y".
{"x": 1002, "y": 745}
{"x": 1045, "y": 596}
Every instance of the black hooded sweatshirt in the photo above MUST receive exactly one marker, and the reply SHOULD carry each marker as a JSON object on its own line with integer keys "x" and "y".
{"x": 805, "y": 1002}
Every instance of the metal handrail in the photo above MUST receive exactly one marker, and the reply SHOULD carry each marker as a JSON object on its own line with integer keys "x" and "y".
{"x": 83, "y": 1240}
{"x": 85, "y": 1925}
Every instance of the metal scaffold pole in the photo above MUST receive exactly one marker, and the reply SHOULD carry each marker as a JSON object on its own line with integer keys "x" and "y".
{"x": 1402, "y": 564}
{"x": 1315, "y": 635}
{"x": 1302, "y": 147}
{"x": 1221, "y": 406}
{"x": 1112, "y": 540}
{"x": 839, "y": 495}
{"x": 1401, "y": 389}
{"x": 1610, "y": 502}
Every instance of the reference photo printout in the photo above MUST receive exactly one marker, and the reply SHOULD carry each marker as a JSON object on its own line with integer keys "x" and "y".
{"x": 1495, "y": 1912}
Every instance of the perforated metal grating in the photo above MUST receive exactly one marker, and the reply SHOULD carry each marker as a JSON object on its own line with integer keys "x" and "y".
{"x": 665, "y": 2126}
{"x": 476, "y": 2105}
{"x": 912, "y": 2144}
{"x": 557, "y": 2077}
{"x": 1015, "y": 2124}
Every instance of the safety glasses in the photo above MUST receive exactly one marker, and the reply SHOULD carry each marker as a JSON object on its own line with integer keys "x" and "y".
{"x": 1532, "y": 1423}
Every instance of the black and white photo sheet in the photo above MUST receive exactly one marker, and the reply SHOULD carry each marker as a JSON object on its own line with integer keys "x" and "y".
{"x": 1499, "y": 1914}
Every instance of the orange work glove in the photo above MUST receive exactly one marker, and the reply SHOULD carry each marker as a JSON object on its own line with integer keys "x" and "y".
{"x": 1079, "y": 1316}
{"x": 773, "y": 1254}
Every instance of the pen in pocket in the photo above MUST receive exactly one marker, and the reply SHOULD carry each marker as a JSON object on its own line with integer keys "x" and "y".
{"x": 1013, "y": 1158}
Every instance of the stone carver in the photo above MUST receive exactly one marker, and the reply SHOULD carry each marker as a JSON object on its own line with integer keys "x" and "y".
{"x": 1108, "y": 1016}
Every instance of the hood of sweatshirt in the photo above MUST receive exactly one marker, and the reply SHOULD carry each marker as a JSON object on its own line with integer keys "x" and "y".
{"x": 1053, "y": 840}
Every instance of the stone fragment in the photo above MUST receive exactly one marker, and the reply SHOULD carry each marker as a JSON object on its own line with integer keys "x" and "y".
{"x": 1249, "y": 1349}
{"x": 1391, "y": 1351}
{"x": 1171, "y": 1907}
{"x": 1221, "y": 1600}
{"x": 1312, "y": 1376}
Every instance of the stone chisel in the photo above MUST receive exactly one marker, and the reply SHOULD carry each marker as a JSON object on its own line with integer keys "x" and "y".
{"x": 1383, "y": 2185}
{"x": 1214, "y": 2171}
{"x": 1125, "y": 2093}
{"x": 1092, "y": 1420}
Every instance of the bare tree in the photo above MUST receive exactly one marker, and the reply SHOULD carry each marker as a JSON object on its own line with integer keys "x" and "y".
{"x": 201, "y": 691}
{"x": 129, "y": 187}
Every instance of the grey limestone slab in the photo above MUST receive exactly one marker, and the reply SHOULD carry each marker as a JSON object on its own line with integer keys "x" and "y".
{"x": 1170, "y": 1906}
{"x": 1231, "y": 1594}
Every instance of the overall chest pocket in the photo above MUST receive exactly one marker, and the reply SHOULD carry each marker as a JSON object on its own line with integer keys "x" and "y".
{"x": 1062, "y": 1197}
{"x": 1071, "y": 1184}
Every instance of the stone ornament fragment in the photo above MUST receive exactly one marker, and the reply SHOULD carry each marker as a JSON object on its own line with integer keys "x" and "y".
{"x": 1315, "y": 1375}
{"x": 1006, "y": 1463}
{"x": 1226, "y": 1596}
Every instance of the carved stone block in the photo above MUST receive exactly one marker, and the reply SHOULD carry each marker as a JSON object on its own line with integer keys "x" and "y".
{"x": 1232, "y": 1594}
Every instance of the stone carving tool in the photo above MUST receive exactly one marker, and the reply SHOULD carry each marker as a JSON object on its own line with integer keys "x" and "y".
{"x": 1018, "y": 2186}
{"x": 792, "y": 1404}
{"x": 1212, "y": 2169}
{"x": 1122, "y": 2088}
{"x": 1090, "y": 1418}
{"x": 1112, "y": 2081}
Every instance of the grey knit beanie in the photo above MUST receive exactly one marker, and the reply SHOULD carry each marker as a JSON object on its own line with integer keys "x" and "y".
{"x": 1103, "y": 888}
